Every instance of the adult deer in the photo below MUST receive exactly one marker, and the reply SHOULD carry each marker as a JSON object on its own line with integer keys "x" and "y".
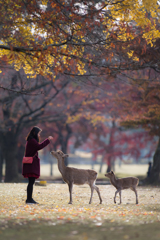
{"x": 76, "y": 176}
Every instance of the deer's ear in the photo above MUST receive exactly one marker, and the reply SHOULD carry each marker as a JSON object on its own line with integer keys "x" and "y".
{"x": 65, "y": 155}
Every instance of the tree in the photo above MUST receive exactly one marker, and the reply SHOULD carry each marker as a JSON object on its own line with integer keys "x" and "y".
{"x": 57, "y": 103}
{"x": 113, "y": 142}
{"x": 95, "y": 124}
{"x": 19, "y": 111}
{"x": 74, "y": 104}
{"x": 103, "y": 133}
{"x": 141, "y": 109}
{"x": 73, "y": 37}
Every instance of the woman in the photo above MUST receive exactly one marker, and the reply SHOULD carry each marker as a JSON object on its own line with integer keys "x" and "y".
{"x": 32, "y": 171}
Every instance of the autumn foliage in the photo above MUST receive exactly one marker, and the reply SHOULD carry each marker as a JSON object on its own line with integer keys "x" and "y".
{"x": 98, "y": 55}
{"x": 74, "y": 37}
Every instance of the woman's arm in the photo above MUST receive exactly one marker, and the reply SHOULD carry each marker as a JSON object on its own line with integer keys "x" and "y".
{"x": 38, "y": 146}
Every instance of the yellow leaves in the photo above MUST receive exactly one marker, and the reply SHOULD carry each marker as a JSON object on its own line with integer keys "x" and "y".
{"x": 137, "y": 12}
{"x": 150, "y": 4}
{"x": 36, "y": 32}
{"x": 64, "y": 59}
{"x": 113, "y": 220}
{"x": 44, "y": 2}
{"x": 94, "y": 118}
{"x": 136, "y": 59}
{"x": 152, "y": 35}
{"x": 130, "y": 54}
{"x": 81, "y": 69}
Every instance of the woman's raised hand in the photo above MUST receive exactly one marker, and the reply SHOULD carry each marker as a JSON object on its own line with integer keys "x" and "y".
{"x": 50, "y": 137}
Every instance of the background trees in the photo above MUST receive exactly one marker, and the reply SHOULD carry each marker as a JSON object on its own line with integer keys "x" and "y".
{"x": 140, "y": 108}
{"x": 65, "y": 110}
{"x": 33, "y": 101}
{"x": 20, "y": 111}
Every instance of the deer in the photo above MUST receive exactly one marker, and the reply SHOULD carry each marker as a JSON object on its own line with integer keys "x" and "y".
{"x": 76, "y": 176}
{"x": 123, "y": 183}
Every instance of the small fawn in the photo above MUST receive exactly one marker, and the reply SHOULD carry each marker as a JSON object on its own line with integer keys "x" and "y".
{"x": 123, "y": 183}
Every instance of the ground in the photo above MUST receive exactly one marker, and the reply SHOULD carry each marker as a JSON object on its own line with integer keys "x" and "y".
{"x": 54, "y": 218}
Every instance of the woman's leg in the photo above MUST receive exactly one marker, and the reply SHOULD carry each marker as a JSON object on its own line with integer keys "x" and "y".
{"x": 31, "y": 181}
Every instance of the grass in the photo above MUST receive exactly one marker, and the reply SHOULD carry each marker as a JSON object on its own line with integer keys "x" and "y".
{"x": 129, "y": 169}
{"x": 54, "y": 218}
{"x": 42, "y": 230}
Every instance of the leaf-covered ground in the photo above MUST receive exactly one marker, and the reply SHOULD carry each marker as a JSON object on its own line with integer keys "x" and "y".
{"x": 54, "y": 218}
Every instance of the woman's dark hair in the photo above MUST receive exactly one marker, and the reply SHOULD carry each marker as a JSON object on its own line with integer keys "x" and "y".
{"x": 34, "y": 134}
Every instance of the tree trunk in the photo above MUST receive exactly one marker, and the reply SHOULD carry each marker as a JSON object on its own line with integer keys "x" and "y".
{"x": 1, "y": 165}
{"x": 8, "y": 142}
{"x": 92, "y": 163}
{"x": 155, "y": 171}
{"x": 108, "y": 165}
{"x": 55, "y": 144}
{"x": 51, "y": 168}
{"x": 110, "y": 148}
{"x": 64, "y": 150}
{"x": 113, "y": 165}
{"x": 64, "y": 139}
{"x": 19, "y": 155}
{"x": 101, "y": 165}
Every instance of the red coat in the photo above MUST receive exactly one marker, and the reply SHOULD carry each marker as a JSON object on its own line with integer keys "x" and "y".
{"x": 32, "y": 148}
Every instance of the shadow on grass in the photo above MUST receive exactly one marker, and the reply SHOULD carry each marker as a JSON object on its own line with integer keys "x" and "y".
{"x": 46, "y": 229}
{"x": 153, "y": 208}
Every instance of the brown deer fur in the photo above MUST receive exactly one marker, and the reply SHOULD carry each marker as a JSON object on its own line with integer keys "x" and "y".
{"x": 123, "y": 183}
{"x": 76, "y": 176}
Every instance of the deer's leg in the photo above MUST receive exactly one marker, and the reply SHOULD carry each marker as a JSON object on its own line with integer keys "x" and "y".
{"x": 134, "y": 190}
{"x": 97, "y": 190}
{"x": 116, "y": 195}
{"x": 92, "y": 190}
{"x": 70, "y": 185}
{"x": 120, "y": 197}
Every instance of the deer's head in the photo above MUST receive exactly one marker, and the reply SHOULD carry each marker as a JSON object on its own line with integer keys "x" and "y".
{"x": 109, "y": 175}
{"x": 59, "y": 154}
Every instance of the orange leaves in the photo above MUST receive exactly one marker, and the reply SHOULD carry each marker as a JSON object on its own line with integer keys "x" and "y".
{"x": 32, "y": 213}
{"x": 54, "y": 207}
{"x": 60, "y": 218}
{"x": 53, "y": 4}
{"x": 112, "y": 45}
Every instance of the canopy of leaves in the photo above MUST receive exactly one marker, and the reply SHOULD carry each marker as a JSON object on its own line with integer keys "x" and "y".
{"x": 73, "y": 36}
